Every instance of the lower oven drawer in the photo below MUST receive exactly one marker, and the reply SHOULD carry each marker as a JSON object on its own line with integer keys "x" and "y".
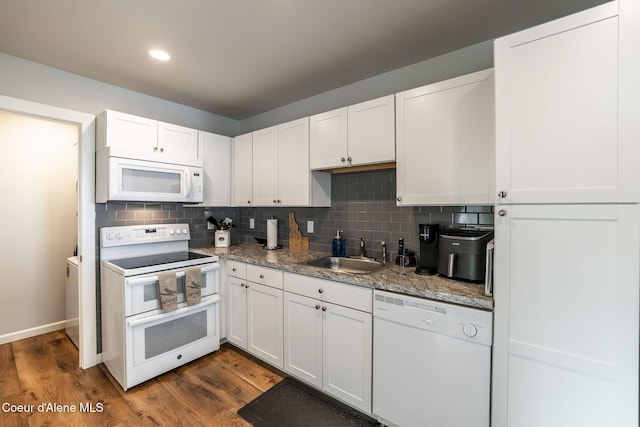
{"x": 141, "y": 292}
{"x": 157, "y": 343}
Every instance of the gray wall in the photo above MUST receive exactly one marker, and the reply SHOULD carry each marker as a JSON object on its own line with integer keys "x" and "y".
{"x": 28, "y": 80}
{"x": 468, "y": 60}
{"x": 38, "y": 83}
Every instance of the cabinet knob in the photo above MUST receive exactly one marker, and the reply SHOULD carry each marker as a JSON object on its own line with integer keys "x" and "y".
{"x": 399, "y": 198}
{"x": 233, "y": 269}
{"x": 502, "y": 194}
{"x": 349, "y": 159}
{"x": 343, "y": 160}
{"x": 502, "y": 212}
{"x": 324, "y": 308}
{"x": 317, "y": 306}
{"x": 249, "y": 201}
{"x": 275, "y": 201}
{"x": 262, "y": 276}
{"x": 242, "y": 285}
{"x": 161, "y": 150}
{"x": 155, "y": 148}
{"x": 320, "y": 290}
{"x": 279, "y": 201}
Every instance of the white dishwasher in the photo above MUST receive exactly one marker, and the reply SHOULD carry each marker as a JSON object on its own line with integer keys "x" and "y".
{"x": 431, "y": 362}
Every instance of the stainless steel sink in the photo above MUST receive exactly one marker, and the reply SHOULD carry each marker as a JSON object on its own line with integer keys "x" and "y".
{"x": 347, "y": 265}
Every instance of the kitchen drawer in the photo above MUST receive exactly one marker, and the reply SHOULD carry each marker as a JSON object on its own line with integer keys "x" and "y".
{"x": 236, "y": 269}
{"x": 265, "y": 276}
{"x": 357, "y": 297}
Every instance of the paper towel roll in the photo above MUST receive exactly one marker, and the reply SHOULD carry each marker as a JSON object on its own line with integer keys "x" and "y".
{"x": 272, "y": 233}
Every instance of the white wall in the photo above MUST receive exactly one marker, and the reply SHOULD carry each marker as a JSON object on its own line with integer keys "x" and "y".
{"x": 39, "y": 169}
{"x": 30, "y": 81}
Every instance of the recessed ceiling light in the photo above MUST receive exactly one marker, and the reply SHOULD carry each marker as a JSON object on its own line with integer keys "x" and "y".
{"x": 160, "y": 55}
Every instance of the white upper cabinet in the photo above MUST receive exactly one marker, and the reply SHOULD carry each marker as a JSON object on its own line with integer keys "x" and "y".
{"x": 265, "y": 167}
{"x": 328, "y": 139}
{"x": 134, "y": 137}
{"x": 356, "y": 135}
{"x": 372, "y": 132}
{"x": 215, "y": 150}
{"x": 293, "y": 163}
{"x": 242, "y": 170}
{"x": 281, "y": 174}
{"x": 179, "y": 144}
{"x": 445, "y": 142}
{"x": 557, "y": 111}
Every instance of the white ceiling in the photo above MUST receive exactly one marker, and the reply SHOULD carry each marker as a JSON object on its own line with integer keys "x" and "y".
{"x": 239, "y": 58}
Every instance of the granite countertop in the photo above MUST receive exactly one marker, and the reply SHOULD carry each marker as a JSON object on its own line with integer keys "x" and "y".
{"x": 390, "y": 278}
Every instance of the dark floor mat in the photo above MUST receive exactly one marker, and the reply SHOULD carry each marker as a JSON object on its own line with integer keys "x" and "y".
{"x": 291, "y": 403}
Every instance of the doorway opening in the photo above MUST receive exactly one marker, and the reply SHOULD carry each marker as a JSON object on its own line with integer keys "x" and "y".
{"x": 40, "y": 241}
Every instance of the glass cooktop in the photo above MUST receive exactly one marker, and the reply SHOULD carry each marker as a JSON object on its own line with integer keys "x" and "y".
{"x": 151, "y": 260}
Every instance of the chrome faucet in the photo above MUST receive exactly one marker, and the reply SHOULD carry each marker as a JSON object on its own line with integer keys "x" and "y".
{"x": 384, "y": 253}
{"x": 361, "y": 247}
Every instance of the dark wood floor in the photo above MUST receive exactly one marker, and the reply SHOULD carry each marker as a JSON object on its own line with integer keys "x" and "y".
{"x": 205, "y": 392}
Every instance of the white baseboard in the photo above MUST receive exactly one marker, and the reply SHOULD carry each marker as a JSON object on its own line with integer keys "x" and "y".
{"x": 32, "y": 332}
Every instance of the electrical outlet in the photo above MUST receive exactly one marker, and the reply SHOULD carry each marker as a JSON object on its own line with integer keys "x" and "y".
{"x": 309, "y": 226}
{"x": 252, "y": 223}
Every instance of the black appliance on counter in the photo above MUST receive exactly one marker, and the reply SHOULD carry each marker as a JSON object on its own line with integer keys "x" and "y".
{"x": 462, "y": 253}
{"x": 428, "y": 236}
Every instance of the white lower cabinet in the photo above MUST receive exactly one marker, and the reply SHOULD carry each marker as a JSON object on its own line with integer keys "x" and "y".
{"x": 255, "y": 321}
{"x": 565, "y": 349}
{"x": 328, "y": 337}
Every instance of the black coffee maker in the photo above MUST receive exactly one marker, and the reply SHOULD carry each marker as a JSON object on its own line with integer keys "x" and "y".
{"x": 428, "y": 237}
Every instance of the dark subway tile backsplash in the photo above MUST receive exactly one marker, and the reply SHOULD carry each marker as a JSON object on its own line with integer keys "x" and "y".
{"x": 363, "y": 204}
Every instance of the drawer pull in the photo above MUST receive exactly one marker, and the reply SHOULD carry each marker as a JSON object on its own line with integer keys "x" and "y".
{"x": 320, "y": 290}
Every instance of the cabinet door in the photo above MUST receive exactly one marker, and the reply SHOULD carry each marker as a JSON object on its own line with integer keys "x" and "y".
{"x": 242, "y": 170}
{"x": 178, "y": 144}
{"x": 128, "y": 136}
{"x": 347, "y": 354}
{"x": 303, "y": 338}
{"x": 328, "y": 139}
{"x": 265, "y": 167}
{"x": 237, "y": 311}
{"x": 566, "y": 330}
{"x": 557, "y": 111}
{"x": 265, "y": 323}
{"x": 446, "y": 143}
{"x": 215, "y": 152}
{"x": 372, "y": 132}
{"x": 293, "y": 163}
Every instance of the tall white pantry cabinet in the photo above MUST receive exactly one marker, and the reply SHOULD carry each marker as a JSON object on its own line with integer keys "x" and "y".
{"x": 567, "y": 224}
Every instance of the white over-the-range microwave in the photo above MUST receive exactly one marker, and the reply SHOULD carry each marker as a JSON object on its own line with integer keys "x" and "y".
{"x": 120, "y": 179}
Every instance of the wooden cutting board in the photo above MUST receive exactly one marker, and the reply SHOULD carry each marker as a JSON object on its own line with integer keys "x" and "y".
{"x": 297, "y": 242}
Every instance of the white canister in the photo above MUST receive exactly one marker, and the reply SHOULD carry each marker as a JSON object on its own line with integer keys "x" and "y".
{"x": 222, "y": 239}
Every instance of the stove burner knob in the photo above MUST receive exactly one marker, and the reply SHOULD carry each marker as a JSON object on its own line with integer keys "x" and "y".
{"x": 171, "y": 232}
{"x": 109, "y": 235}
{"x": 118, "y": 235}
{"x": 185, "y": 231}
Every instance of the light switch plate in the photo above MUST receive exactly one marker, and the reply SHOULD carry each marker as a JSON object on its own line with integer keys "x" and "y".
{"x": 252, "y": 223}
{"x": 309, "y": 226}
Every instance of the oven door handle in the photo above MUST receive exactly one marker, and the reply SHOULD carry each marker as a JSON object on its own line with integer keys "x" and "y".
{"x": 151, "y": 279}
{"x": 213, "y": 299}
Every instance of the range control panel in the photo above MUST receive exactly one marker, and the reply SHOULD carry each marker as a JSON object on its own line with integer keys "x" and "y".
{"x": 140, "y": 234}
